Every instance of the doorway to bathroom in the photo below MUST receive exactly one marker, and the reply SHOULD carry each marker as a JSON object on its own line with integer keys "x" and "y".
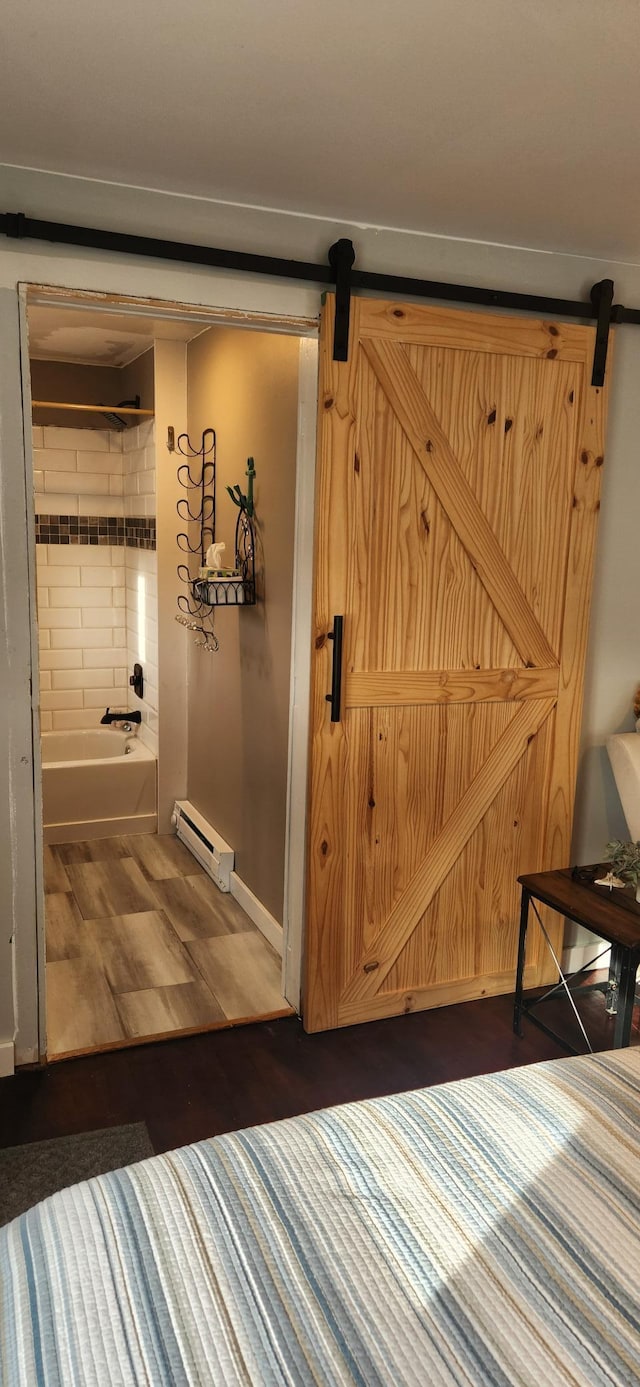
{"x": 173, "y": 768}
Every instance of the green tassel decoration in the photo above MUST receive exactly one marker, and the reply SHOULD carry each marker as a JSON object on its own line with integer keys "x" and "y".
{"x": 242, "y": 501}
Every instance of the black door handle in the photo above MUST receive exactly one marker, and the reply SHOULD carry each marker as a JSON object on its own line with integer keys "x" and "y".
{"x": 334, "y": 698}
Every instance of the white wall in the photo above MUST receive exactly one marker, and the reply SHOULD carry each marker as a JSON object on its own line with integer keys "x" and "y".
{"x": 142, "y": 639}
{"x": 614, "y": 658}
{"x": 246, "y": 383}
{"x": 141, "y": 570}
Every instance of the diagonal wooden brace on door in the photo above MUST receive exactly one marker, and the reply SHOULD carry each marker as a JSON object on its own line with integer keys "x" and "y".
{"x": 423, "y": 431}
{"x": 382, "y": 953}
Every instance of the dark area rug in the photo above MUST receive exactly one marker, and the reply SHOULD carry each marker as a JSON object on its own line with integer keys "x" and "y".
{"x": 30, "y": 1173}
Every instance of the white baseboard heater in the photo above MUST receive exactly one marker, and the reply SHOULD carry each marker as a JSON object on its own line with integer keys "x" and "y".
{"x": 209, "y": 849}
{"x": 217, "y": 858}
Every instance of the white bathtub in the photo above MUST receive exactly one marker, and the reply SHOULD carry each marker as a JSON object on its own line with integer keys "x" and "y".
{"x": 96, "y": 783}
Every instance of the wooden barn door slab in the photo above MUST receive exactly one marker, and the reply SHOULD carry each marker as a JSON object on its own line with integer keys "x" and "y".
{"x": 458, "y": 490}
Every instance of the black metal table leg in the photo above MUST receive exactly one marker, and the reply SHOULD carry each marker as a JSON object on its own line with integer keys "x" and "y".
{"x": 522, "y": 944}
{"x": 613, "y": 981}
{"x": 626, "y": 996}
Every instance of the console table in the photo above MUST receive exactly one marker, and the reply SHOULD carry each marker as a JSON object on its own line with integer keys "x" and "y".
{"x": 613, "y": 915}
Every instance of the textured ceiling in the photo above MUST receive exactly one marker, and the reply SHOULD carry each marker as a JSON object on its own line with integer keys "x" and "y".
{"x": 509, "y": 120}
{"x": 95, "y": 337}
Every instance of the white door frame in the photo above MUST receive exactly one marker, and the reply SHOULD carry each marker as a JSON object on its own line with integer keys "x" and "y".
{"x": 31, "y": 1036}
{"x": 30, "y": 977}
{"x": 300, "y": 692}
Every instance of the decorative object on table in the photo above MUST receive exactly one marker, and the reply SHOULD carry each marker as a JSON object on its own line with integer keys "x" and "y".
{"x": 198, "y": 510}
{"x": 609, "y": 880}
{"x": 235, "y": 587}
{"x": 625, "y": 865}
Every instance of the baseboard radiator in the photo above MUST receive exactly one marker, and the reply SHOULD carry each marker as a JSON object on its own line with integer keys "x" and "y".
{"x": 207, "y": 846}
{"x": 218, "y": 860}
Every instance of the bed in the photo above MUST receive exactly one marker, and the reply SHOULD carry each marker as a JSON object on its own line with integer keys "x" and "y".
{"x": 485, "y": 1231}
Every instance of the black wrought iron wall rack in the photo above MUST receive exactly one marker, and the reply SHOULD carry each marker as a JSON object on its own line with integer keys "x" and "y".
{"x": 197, "y": 511}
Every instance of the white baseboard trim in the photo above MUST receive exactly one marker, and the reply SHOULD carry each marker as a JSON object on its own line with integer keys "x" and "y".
{"x": 257, "y": 912}
{"x": 578, "y": 954}
{"x": 7, "y": 1058}
{"x": 30, "y": 1055}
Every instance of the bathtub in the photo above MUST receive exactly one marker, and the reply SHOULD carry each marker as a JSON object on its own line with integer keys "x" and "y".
{"x": 95, "y": 784}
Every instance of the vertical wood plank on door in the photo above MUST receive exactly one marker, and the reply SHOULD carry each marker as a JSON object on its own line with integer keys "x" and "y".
{"x": 338, "y": 440}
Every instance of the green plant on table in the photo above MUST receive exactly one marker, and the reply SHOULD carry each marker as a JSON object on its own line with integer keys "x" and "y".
{"x": 625, "y": 860}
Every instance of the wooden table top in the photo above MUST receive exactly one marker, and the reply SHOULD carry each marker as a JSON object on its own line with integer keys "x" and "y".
{"x": 614, "y": 915}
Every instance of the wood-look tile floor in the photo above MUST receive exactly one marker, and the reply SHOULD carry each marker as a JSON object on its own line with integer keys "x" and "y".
{"x": 141, "y": 945}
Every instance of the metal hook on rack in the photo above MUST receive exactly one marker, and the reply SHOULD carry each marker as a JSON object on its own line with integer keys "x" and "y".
{"x": 185, "y": 545}
{"x": 185, "y": 446}
{"x": 185, "y": 513}
{"x": 194, "y": 482}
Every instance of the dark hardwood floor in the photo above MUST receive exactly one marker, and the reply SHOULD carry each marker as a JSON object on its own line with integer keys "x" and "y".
{"x": 198, "y": 1086}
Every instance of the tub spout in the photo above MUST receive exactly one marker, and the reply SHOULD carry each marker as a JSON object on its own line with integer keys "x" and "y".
{"x": 110, "y": 717}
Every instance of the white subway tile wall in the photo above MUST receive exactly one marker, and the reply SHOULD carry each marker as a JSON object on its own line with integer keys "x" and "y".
{"x": 142, "y": 633}
{"x": 139, "y": 470}
{"x": 72, "y": 471}
{"x": 70, "y": 596}
{"x": 97, "y": 604}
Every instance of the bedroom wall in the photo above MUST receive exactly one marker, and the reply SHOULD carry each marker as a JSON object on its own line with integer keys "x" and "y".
{"x": 246, "y": 385}
{"x": 613, "y": 656}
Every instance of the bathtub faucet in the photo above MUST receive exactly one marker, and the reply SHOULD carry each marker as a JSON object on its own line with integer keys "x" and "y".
{"x": 110, "y": 717}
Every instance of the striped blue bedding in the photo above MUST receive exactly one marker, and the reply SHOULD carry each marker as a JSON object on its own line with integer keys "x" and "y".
{"x": 483, "y": 1232}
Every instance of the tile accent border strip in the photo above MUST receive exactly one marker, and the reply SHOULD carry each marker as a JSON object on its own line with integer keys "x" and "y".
{"x": 133, "y": 531}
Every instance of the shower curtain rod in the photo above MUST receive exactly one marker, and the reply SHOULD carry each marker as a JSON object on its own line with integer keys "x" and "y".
{"x": 339, "y": 274}
{"x": 89, "y": 409}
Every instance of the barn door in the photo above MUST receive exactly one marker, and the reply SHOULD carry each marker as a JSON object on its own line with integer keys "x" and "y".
{"x": 459, "y": 472}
